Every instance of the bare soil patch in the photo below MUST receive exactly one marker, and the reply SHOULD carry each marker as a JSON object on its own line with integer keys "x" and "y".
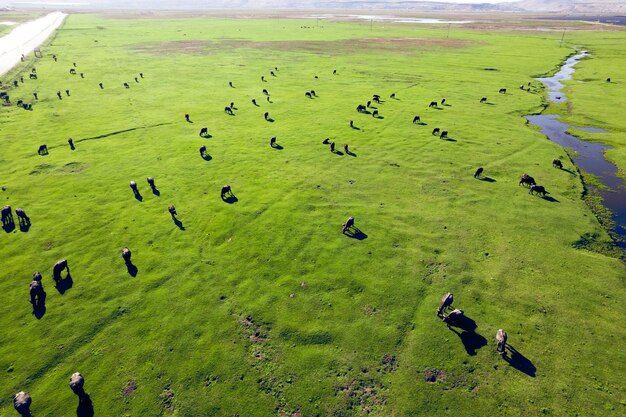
{"x": 434, "y": 375}
{"x": 130, "y": 388}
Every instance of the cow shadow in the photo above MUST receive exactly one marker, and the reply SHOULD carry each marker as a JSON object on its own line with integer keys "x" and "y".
{"x": 421, "y": 124}
{"x": 231, "y": 114}
{"x": 489, "y": 103}
{"x": 85, "y": 407}
{"x": 178, "y": 223}
{"x": 206, "y": 135}
{"x": 8, "y": 226}
{"x": 269, "y": 119}
{"x": 471, "y": 340}
{"x": 520, "y": 362}
{"x": 138, "y": 196}
{"x": 487, "y": 179}
{"x": 132, "y": 269}
{"x": 156, "y": 191}
{"x": 550, "y": 199}
{"x": 447, "y": 105}
{"x": 40, "y": 309}
{"x": 338, "y": 153}
{"x": 355, "y": 233}
{"x": 256, "y": 104}
{"x": 379, "y": 117}
{"x": 449, "y": 139}
{"x": 365, "y": 112}
{"x": 207, "y": 157}
{"x": 231, "y": 199}
{"x": 64, "y": 284}
{"x": 351, "y": 153}
{"x": 436, "y": 108}
{"x": 277, "y": 146}
{"x": 355, "y": 128}
{"x": 72, "y": 147}
{"x": 568, "y": 171}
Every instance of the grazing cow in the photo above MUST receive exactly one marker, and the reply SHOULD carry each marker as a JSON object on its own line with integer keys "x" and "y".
{"x": 36, "y": 293}
{"x": 307, "y": 94}
{"x": 501, "y": 338}
{"x": 393, "y": 95}
{"x": 608, "y": 80}
{"x": 332, "y": 147}
{"x": 43, "y": 150}
{"x": 202, "y": 150}
{"x": 37, "y": 276}
{"x": 369, "y": 103}
{"x": 54, "y": 57}
{"x": 136, "y": 80}
{"x": 444, "y": 134}
{"x": 225, "y": 191}
{"x": 346, "y": 150}
{"x": 316, "y": 77}
{"x": 76, "y": 385}
{"x": 22, "y": 80}
{"x": 58, "y": 268}
{"x": 83, "y": 76}
{"x": 273, "y": 141}
{"x": 32, "y": 76}
{"x": 187, "y": 117}
{"x": 101, "y": 86}
{"x": 347, "y": 225}
{"x": 230, "y": 83}
{"x": 502, "y": 91}
{"x": 59, "y": 95}
{"x": 334, "y": 72}
{"x": 376, "y": 96}
{"x": 352, "y": 124}
{"x": 268, "y": 99}
{"x": 527, "y": 180}
{"x": 361, "y": 108}
{"x": 71, "y": 142}
{"x": 204, "y": 131}
{"x": 27, "y": 106}
{"x": 35, "y": 95}
{"x": 326, "y": 141}
{"x": 263, "y": 78}
{"x": 483, "y": 100}
{"x": 521, "y": 87}
{"x": 133, "y": 186}
{"x": 19, "y": 103}
{"x": 417, "y": 119}
{"x": 433, "y": 104}
{"x": 454, "y": 317}
{"x": 265, "y": 92}
{"x": 22, "y": 218}
{"x": 376, "y": 99}
{"x": 74, "y": 63}
{"x": 126, "y": 255}
{"x": 7, "y": 215}
{"x": 446, "y": 301}
{"x": 21, "y": 403}
{"x": 266, "y": 115}
{"x": 478, "y": 172}
{"x": 275, "y": 68}
{"x": 172, "y": 210}
{"x": 375, "y": 113}
{"x": 228, "y": 110}
{"x": 313, "y": 93}
{"x": 436, "y": 131}
{"x": 126, "y": 85}
{"x": 72, "y": 71}
{"x": 556, "y": 163}
{"x": 272, "y": 74}
{"x": 150, "y": 182}
{"x": 254, "y": 102}
{"x": 539, "y": 189}
{"x": 141, "y": 74}
{"x": 443, "y": 101}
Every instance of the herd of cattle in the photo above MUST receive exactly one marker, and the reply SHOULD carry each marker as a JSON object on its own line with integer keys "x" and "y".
{"x": 22, "y": 400}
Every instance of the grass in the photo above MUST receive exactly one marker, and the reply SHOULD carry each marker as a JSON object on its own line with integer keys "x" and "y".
{"x": 263, "y": 307}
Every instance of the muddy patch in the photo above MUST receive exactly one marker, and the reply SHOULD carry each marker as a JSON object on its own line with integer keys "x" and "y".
{"x": 435, "y": 375}
{"x": 364, "y": 396}
{"x": 129, "y": 389}
{"x": 338, "y": 47}
{"x": 167, "y": 399}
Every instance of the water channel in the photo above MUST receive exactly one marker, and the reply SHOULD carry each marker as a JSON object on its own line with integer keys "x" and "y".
{"x": 589, "y": 156}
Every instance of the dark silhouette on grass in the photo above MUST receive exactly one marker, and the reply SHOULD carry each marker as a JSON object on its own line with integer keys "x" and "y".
{"x": 487, "y": 179}
{"x": 173, "y": 213}
{"x": 527, "y": 180}
{"x": 71, "y": 142}
{"x": 21, "y": 403}
{"x": 226, "y": 194}
{"x": 8, "y": 224}
{"x": 519, "y": 361}
{"x": 471, "y": 340}
{"x": 153, "y": 187}
{"x": 85, "y": 407}
{"x": 43, "y": 150}
{"x": 228, "y": 110}
{"x": 37, "y": 296}
{"x": 353, "y": 126}
{"x": 350, "y": 230}
{"x": 133, "y": 186}
{"x": 187, "y": 118}
{"x": 538, "y": 189}
{"x": 550, "y": 199}
{"x": 347, "y": 150}
{"x": 204, "y": 133}
{"x": 275, "y": 145}
{"x": 446, "y": 302}
{"x": 501, "y": 338}
{"x": 254, "y": 102}
{"x": 64, "y": 284}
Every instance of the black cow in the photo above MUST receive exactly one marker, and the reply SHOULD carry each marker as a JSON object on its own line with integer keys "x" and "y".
{"x": 608, "y": 80}
{"x": 539, "y": 189}
{"x": 254, "y": 102}
{"x": 59, "y": 95}
{"x": 375, "y": 113}
{"x": 172, "y": 210}
{"x": 326, "y": 141}
{"x": 7, "y": 215}
{"x": 266, "y": 115}
{"x": 32, "y": 76}
{"x": 273, "y": 141}
{"x": 136, "y": 80}
{"x": 444, "y": 134}
{"x": 71, "y": 143}
{"x": 393, "y": 95}
{"x": 334, "y": 72}
{"x": 313, "y": 93}
{"x": 72, "y": 71}
{"x": 376, "y": 99}
{"x": 443, "y": 101}
{"x": 308, "y": 94}
{"x": 228, "y": 110}
{"x": 126, "y": 85}
{"x": 141, "y": 74}
{"x": 332, "y": 147}
{"x": 202, "y": 150}
{"x": 433, "y": 104}
{"x": 446, "y": 301}
{"x": 265, "y": 92}
{"x": 58, "y": 268}
{"x": 346, "y": 149}
{"x": 483, "y": 100}
{"x": 263, "y": 78}
{"x": 417, "y": 119}
{"x": 352, "y": 124}
{"x": 43, "y": 150}
{"x": 369, "y": 103}
{"x": 36, "y": 294}
{"x": 230, "y": 83}
{"x": 74, "y": 64}
{"x": 436, "y": 131}
{"x": 502, "y": 91}
{"x": 225, "y": 191}
{"x": 187, "y": 117}
{"x": 101, "y": 86}
{"x": 556, "y": 163}
{"x": 347, "y": 225}
{"x": 361, "y": 108}
{"x": 126, "y": 254}
{"x": 22, "y": 218}
{"x": 527, "y": 180}
{"x": 204, "y": 131}
{"x": 83, "y": 76}
{"x": 133, "y": 186}
{"x": 151, "y": 182}
{"x": 478, "y": 172}
{"x": 35, "y": 95}
{"x": 272, "y": 74}
{"x": 454, "y": 317}
{"x": 54, "y": 57}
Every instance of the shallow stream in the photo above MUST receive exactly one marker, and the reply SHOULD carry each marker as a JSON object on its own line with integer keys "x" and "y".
{"x": 589, "y": 156}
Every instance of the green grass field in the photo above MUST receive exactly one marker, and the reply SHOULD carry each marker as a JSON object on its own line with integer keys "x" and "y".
{"x": 262, "y": 307}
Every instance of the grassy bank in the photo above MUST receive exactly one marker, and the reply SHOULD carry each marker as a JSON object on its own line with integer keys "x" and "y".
{"x": 262, "y": 307}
